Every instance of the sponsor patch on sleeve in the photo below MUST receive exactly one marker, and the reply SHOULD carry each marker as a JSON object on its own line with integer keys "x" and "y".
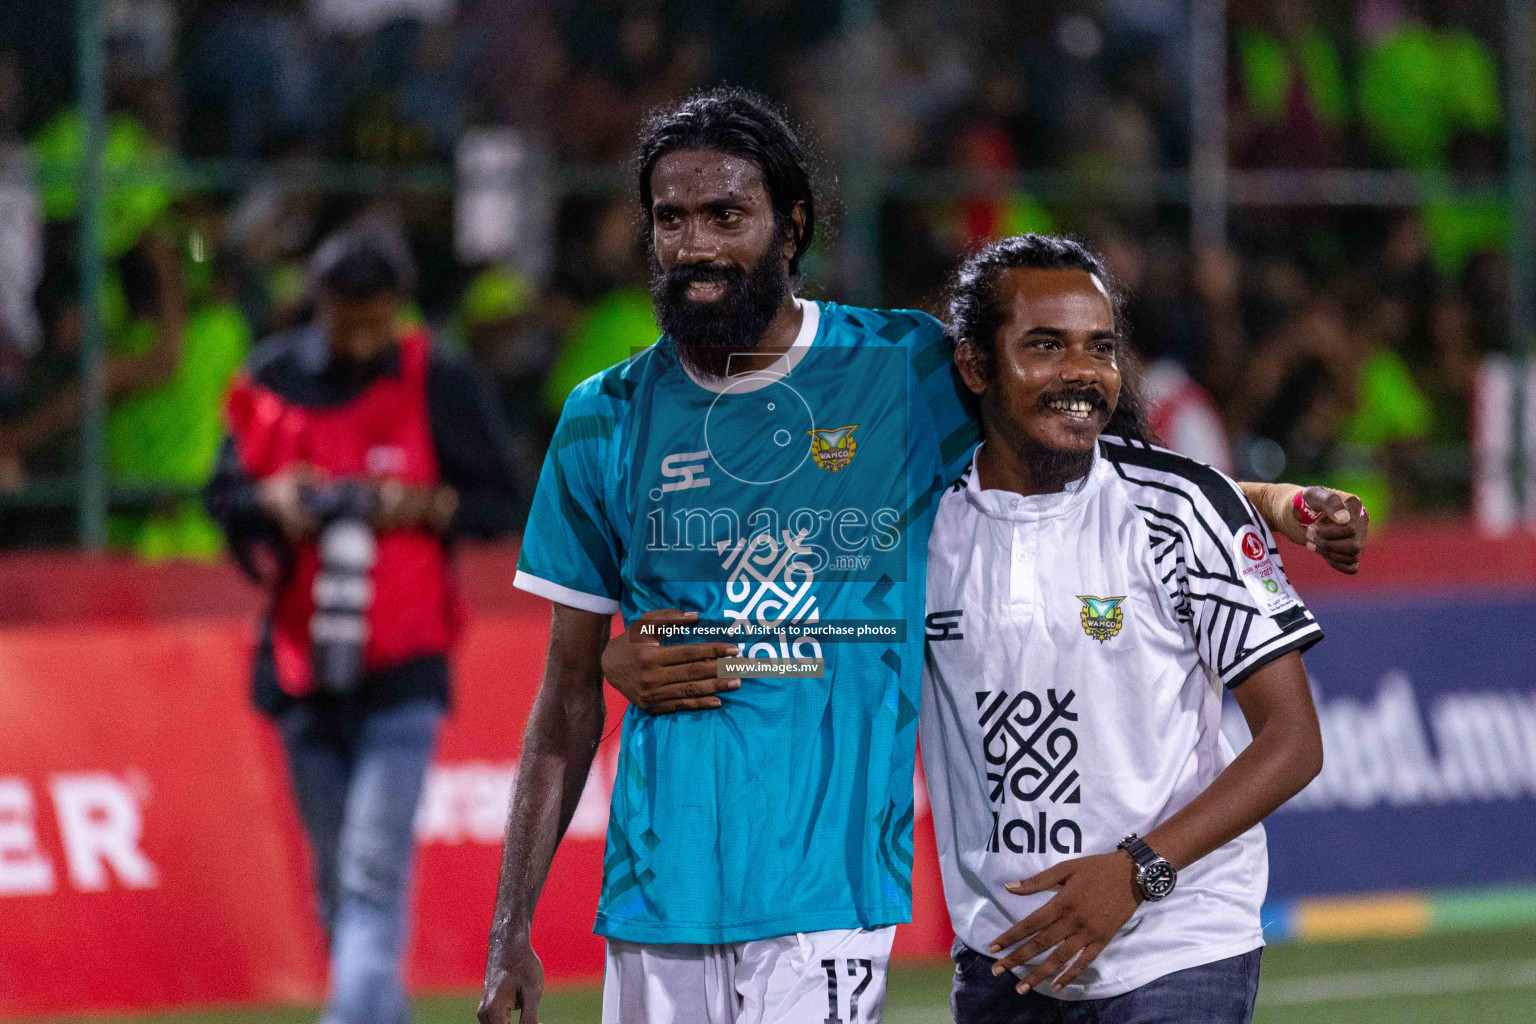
{"x": 1261, "y": 574}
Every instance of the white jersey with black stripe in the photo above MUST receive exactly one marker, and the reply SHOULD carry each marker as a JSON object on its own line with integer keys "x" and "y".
{"x": 1077, "y": 648}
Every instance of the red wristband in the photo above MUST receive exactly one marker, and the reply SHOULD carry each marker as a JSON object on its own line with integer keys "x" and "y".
{"x": 1305, "y": 514}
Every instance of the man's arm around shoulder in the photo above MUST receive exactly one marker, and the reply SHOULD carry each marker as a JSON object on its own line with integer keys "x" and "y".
{"x": 558, "y": 746}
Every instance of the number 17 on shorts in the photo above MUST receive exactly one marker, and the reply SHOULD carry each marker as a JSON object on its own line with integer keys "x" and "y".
{"x": 830, "y": 977}
{"x": 861, "y": 975}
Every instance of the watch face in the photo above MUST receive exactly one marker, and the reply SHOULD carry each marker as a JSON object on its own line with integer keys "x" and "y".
{"x": 1157, "y": 880}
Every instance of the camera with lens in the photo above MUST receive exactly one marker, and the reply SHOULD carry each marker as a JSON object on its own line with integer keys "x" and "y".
{"x": 343, "y": 590}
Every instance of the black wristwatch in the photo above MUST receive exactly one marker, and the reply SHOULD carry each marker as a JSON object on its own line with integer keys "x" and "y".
{"x": 1155, "y": 877}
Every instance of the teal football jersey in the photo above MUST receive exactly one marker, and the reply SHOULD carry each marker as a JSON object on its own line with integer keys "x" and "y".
{"x": 795, "y": 498}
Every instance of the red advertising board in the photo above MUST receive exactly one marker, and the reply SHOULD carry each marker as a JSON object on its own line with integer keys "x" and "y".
{"x": 464, "y": 810}
{"x": 149, "y": 853}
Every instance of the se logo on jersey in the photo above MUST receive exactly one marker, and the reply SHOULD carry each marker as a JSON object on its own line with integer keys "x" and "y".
{"x": 833, "y": 448}
{"x": 944, "y": 625}
{"x": 1101, "y": 616}
{"x": 683, "y": 470}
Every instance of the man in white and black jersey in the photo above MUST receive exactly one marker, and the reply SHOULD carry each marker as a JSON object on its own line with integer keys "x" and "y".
{"x": 1089, "y": 596}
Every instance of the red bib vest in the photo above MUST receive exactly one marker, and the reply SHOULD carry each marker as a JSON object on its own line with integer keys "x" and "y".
{"x": 384, "y": 432}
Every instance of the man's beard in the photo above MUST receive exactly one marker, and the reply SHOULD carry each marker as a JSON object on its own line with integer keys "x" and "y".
{"x": 707, "y": 334}
{"x": 1051, "y": 469}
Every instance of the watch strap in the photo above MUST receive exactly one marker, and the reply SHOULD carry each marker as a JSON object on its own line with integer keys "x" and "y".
{"x": 1140, "y": 852}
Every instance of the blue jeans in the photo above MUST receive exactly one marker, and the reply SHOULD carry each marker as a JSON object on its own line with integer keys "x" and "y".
{"x": 357, "y": 777}
{"x": 1214, "y": 993}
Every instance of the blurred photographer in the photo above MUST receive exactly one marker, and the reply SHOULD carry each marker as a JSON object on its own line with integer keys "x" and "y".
{"x": 356, "y": 453}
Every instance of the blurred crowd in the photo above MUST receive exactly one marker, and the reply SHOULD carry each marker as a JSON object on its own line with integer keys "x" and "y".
{"x": 1332, "y": 343}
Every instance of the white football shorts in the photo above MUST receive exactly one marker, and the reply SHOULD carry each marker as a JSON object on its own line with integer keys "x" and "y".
{"x": 808, "y": 978}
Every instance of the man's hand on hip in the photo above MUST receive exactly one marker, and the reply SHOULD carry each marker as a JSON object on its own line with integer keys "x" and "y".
{"x": 1096, "y": 896}
{"x": 664, "y": 679}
